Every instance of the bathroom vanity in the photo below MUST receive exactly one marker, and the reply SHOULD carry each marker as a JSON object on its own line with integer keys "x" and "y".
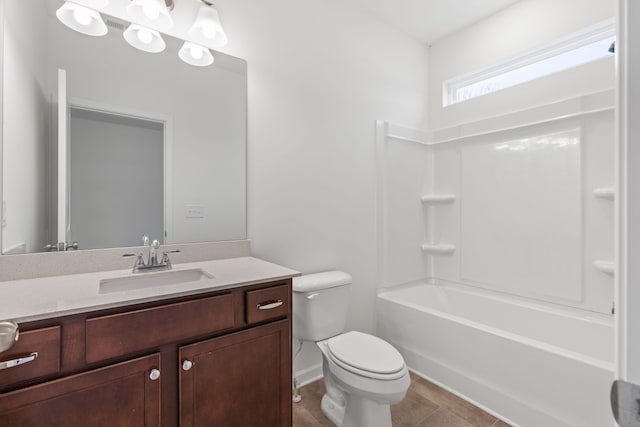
{"x": 216, "y": 352}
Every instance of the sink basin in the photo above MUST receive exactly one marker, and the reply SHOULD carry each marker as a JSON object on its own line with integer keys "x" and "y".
{"x": 150, "y": 280}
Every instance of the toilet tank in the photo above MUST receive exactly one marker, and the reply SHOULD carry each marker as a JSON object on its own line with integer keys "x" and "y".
{"x": 320, "y": 303}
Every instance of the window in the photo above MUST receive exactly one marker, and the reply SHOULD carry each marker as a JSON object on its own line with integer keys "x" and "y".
{"x": 588, "y": 45}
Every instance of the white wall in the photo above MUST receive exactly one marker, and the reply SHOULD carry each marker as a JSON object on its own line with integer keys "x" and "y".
{"x": 25, "y": 126}
{"x": 524, "y": 26}
{"x": 320, "y": 74}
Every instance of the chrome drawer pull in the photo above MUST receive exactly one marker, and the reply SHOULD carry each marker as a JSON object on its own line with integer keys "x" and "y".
{"x": 15, "y": 362}
{"x": 270, "y": 306}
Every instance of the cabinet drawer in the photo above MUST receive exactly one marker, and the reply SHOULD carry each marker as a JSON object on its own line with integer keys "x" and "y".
{"x": 268, "y": 303}
{"x": 124, "y": 333}
{"x": 46, "y": 343}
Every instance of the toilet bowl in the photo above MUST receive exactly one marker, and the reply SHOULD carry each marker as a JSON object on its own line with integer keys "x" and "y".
{"x": 363, "y": 374}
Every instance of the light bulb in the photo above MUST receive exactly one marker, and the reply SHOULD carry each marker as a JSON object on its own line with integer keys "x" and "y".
{"x": 81, "y": 15}
{"x": 209, "y": 31}
{"x": 196, "y": 53}
{"x": 151, "y": 12}
{"x": 145, "y": 36}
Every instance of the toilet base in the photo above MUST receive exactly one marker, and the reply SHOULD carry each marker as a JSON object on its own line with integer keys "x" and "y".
{"x": 332, "y": 409}
{"x": 358, "y": 412}
{"x": 366, "y": 412}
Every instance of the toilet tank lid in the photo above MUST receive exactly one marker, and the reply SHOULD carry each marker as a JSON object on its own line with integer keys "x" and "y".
{"x": 318, "y": 281}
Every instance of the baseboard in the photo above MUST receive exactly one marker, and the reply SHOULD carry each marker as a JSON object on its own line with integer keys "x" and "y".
{"x": 308, "y": 375}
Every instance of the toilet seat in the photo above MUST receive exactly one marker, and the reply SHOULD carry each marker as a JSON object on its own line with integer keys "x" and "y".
{"x": 366, "y": 355}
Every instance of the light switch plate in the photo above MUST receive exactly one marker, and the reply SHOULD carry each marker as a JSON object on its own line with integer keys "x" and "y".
{"x": 4, "y": 213}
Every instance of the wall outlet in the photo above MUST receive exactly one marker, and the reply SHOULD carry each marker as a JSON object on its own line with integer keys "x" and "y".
{"x": 193, "y": 211}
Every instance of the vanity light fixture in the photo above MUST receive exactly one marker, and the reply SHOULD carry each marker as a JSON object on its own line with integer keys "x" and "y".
{"x": 145, "y": 39}
{"x": 207, "y": 28}
{"x": 194, "y": 54}
{"x": 153, "y": 13}
{"x": 82, "y": 19}
{"x": 148, "y": 16}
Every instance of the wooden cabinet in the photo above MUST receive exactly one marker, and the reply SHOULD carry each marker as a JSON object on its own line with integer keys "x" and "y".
{"x": 217, "y": 359}
{"x": 223, "y": 383}
{"x": 124, "y": 394}
{"x": 123, "y": 333}
{"x": 41, "y": 345}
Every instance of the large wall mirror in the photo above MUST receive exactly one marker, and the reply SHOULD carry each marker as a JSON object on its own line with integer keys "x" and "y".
{"x": 103, "y": 143}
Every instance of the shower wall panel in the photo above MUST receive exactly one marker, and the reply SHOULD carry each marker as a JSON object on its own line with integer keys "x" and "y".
{"x": 519, "y": 204}
{"x": 521, "y": 222}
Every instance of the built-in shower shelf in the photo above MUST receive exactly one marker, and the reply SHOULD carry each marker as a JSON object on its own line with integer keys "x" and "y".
{"x": 606, "y": 267}
{"x": 438, "y": 249}
{"x": 438, "y": 199}
{"x": 608, "y": 193}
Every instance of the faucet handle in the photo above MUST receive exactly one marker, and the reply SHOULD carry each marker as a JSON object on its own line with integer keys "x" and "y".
{"x": 165, "y": 257}
{"x": 139, "y": 260}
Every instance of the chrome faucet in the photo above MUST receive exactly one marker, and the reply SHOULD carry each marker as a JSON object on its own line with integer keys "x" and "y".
{"x": 153, "y": 253}
{"x": 152, "y": 263}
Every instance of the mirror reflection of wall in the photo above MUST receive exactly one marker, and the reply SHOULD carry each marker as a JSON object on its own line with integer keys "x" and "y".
{"x": 204, "y": 110}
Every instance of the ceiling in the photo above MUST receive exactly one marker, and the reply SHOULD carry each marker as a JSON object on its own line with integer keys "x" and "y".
{"x": 431, "y": 20}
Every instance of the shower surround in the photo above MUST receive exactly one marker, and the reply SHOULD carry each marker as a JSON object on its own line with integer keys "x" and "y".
{"x": 496, "y": 243}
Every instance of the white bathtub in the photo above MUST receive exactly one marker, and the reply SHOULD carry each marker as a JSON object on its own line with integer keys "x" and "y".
{"x": 530, "y": 364}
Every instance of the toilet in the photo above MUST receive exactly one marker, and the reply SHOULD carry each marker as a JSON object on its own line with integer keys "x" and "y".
{"x": 363, "y": 374}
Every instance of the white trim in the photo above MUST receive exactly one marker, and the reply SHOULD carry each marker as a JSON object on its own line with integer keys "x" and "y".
{"x": 627, "y": 203}
{"x": 584, "y": 37}
{"x": 63, "y": 157}
{"x": 167, "y": 121}
{"x": 548, "y": 113}
{"x": 404, "y": 133}
{"x": 382, "y": 132}
{"x": 308, "y": 375}
{"x": 620, "y": 297}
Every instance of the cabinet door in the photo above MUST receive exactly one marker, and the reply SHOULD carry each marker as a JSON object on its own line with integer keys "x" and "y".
{"x": 115, "y": 396}
{"x": 239, "y": 380}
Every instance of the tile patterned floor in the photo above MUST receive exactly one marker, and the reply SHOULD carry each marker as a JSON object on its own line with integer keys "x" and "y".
{"x": 426, "y": 405}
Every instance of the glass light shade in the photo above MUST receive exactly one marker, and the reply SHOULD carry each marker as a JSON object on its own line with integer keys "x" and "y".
{"x": 207, "y": 29}
{"x": 144, "y": 39}
{"x": 194, "y": 54}
{"x": 81, "y": 19}
{"x": 151, "y": 13}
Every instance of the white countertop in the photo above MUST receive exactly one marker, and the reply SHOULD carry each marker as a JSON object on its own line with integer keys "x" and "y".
{"x": 36, "y": 299}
